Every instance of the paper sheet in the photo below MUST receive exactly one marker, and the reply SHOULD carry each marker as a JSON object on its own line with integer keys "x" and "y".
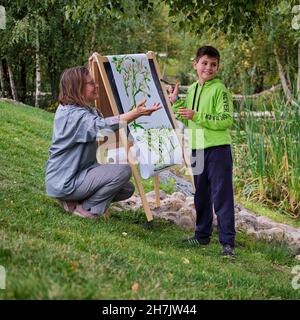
{"x": 154, "y": 136}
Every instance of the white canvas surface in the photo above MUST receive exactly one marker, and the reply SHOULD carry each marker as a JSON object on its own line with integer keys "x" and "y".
{"x": 156, "y": 141}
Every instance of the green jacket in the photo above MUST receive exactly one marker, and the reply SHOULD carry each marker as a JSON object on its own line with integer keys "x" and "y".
{"x": 212, "y": 103}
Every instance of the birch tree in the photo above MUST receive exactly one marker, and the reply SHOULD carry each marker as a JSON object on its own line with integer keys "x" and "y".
{"x": 1, "y": 80}
{"x": 12, "y": 82}
{"x": 37, "y": 69}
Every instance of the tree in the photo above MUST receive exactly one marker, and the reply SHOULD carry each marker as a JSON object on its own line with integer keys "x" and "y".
{"x": 43, "y": 38}
{"x": 231, "y": 17}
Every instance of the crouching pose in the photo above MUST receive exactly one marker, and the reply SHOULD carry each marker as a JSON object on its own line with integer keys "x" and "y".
{"x": 73, "y": 176}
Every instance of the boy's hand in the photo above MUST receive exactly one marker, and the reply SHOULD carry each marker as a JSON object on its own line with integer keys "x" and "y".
{"x": 174, "y": 92}
{"x": 186, "y": 113}
{"x": 142, "y": 110}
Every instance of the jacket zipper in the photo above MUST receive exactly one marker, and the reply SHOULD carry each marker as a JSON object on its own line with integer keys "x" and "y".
{"x": 195, "y": 94}
{"x": 198, "y": 104}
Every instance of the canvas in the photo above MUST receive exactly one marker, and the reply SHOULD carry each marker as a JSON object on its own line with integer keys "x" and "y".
{"x": 156, "y": 142}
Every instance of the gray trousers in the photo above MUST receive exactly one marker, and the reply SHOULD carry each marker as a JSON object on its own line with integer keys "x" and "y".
{"x": 102, "y": 185}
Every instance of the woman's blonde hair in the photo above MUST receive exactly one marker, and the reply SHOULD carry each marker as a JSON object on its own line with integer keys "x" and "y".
{"x": 71, "y": 87}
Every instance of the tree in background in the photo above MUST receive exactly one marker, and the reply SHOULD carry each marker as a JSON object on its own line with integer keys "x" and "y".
{"x": 43, "y": 38}
{"x": 258, "y": 32}
{"x": 257, "y": 44}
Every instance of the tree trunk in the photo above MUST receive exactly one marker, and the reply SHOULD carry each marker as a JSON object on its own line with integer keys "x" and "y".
{"x": 12, "y": 82}
{"x": 288, "y": 79}
{"x": 53, "y": 77}
{"x": 298, "y": 75}
{"x": 37, "y": 71}
{"x": 23, "y": 82}
{"x": 93, "y": 41}
{"x": 1, "y": 81}
{"x": 287, "y": 70}
{"x": 286, "y": 89}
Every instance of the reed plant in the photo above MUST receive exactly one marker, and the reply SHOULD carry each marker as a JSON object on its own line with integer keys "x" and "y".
{"x": 266, "y": 152}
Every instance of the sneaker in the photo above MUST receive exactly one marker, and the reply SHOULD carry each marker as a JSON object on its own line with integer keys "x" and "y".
{"x": 196, "y": 241}
{"x": 68, "y": 206}
{"x": 228, "y": 251}
{"x": 79, "y": 211}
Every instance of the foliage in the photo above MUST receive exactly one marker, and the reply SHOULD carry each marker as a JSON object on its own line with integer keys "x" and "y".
{"x": 231, "y": 17}
{"x": 267, "y": 159}
{"x": 245, "y": 32}
{"x": 69, "y": 31}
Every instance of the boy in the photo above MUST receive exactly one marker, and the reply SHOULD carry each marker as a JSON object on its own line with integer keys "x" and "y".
{"x": 208, "y": 106}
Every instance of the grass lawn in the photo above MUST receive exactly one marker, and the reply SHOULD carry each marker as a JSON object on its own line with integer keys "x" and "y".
{"x": 49, "y": 254}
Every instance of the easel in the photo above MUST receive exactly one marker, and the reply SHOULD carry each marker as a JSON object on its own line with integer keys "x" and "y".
{"x": 109, "y": 108}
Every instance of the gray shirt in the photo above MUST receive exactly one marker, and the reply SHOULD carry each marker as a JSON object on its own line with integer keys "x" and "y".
{"x": 73, "y": 150}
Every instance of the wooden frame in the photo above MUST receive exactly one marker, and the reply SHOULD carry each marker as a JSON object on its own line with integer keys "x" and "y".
{"x": 109, "y": 108}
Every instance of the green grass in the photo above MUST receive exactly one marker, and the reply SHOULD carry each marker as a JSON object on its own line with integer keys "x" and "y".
{"x": 51, "y": 255}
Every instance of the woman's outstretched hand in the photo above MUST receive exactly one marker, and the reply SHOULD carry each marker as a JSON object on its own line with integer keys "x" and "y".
{"x": 142, "y": 110}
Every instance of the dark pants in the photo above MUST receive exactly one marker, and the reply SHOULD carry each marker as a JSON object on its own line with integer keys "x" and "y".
{"x": 214, "y": 189}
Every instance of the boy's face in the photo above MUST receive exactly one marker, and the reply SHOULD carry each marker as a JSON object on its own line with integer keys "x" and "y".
{"x": 207, "y": 68}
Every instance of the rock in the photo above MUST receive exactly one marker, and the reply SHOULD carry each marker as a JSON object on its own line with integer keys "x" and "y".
{"x": 237, "y": 207}
{"x": 152, "y": 204}
{"x": 264, "y": 223}
{"x": 247, "y": 218}
{"x": 190, "y": 203}
{"x": 186, "y": 211}
{"x": 271, "y": 234}
{"x": 133, "y": 203}
{"x": 171, "y": 204}
{"x": 171, "y": 216}
{"x": 276, "y": 234}
{"x": 297, "y": 257}
{"x": 186, "y": 223}
{"x": 189, "y": 199}
{"x": 117, "y": 209}
{"x": 178, "y": 195}
{"x": 151, "y": 195}
{"x": 252, "y": 232}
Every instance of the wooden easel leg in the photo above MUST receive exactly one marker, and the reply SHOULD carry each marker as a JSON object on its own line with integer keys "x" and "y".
{"x": 99, "y": 73}
{"x": 156, "y": 188}
{"x": 141, "y": 192}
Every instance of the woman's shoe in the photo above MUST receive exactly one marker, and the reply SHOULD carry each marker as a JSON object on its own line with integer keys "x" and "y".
{"x": 79, "y": 211}
{"x": 68, "y": 206}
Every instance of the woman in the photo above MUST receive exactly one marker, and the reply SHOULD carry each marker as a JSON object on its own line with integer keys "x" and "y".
{"x": 73, "y": 176}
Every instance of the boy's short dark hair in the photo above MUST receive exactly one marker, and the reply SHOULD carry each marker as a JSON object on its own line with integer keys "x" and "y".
{"x": 209, "y": 51}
